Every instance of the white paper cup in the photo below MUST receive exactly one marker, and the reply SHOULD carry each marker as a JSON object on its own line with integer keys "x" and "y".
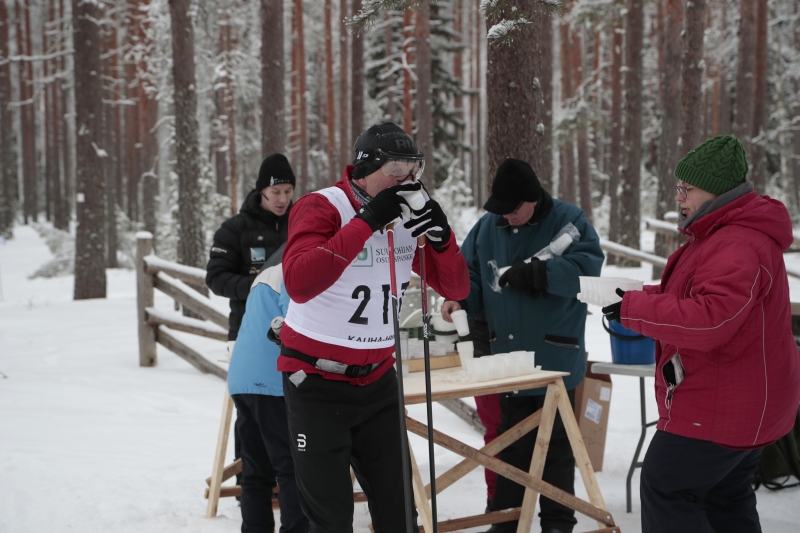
{"x": 495, "y": 366}
{"x": 481, "y": 368}
{"x": 465, "y": 352}
{"x": 460, "y": 320}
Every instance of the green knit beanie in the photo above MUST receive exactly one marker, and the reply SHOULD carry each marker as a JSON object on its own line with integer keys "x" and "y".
{"x": 717, "y": 165}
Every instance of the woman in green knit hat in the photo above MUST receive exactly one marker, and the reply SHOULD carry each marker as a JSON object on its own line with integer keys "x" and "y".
{"x": 727, "y": 368}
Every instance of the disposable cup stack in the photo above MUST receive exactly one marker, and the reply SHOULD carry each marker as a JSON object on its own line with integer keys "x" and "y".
{"x": 602, "y": 291}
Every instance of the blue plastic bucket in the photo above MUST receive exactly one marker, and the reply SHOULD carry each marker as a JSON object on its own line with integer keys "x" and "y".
{"x": 629, "y": 347}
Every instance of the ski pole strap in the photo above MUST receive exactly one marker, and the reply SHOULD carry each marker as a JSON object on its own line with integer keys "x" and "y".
{"x": 326, "y": 365}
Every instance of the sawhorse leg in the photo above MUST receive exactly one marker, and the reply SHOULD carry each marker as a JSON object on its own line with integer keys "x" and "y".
{"x": 219, "y": 455}
{"x": 557, "y": 398}
{"x": 636, "y": 463}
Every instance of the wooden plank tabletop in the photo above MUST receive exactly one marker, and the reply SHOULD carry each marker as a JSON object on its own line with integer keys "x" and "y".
{"x": 445, "y": 384}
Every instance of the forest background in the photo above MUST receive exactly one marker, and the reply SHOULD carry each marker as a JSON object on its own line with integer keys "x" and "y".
{"x": 121, "y": 115}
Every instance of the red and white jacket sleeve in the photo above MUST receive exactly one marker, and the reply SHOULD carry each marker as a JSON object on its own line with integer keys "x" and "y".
{"x": 319, "y": 248}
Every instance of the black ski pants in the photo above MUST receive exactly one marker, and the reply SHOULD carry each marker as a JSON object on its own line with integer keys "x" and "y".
{"x": 334, "y": 425}
{"x": 692, "y": 485}
{"x": 264, "y": 437}
{"x": 559, "y": 465}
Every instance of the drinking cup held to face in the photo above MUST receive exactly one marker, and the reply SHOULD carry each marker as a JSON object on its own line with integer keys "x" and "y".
{"x": 460, "y": 320}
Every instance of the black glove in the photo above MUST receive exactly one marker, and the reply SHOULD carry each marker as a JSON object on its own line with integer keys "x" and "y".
{"x": 432, "y": 222}
{"x": 612, "y": 312}
{"x": 530, "y": 278}
{"x": 386, "y": 206}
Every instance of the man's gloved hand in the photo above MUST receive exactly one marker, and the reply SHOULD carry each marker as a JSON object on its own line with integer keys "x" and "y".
{"x": 530, "y": 278}
{"x": 386, "y": 206}
{"x": 613, "y": 311}
{"x": 430, "y": 221}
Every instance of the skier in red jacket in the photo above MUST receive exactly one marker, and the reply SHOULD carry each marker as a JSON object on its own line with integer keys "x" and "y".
{"x": 728, "y": 369}
{"x": 338, "y": 337}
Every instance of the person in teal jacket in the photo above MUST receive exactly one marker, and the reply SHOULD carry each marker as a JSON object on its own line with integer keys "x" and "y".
{"x": 256, "y": 387}
{"x": 532, "y": 306}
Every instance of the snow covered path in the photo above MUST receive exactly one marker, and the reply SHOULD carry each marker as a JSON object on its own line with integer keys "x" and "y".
{"x": 91, "y": 442}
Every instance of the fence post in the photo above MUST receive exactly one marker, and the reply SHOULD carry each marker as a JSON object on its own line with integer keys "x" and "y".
{"x": 144, "y": 299}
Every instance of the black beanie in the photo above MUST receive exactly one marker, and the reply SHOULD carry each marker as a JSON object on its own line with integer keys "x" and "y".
{"x": 389, "y": 138}
{"x": 275, "y": 170}
{"x": 515, "y": 182}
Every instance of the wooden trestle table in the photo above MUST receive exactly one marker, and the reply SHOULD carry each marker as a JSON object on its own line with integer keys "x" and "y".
{"x": 446, "y": 385}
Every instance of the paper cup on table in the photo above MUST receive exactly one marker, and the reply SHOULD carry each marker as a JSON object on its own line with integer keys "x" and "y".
{"x": 529, "y": 363}
{"x": 495, "y": 367}
{"x": 465, "y": 352}
{"x": 481, "y": 368}
{"x": 460, "y": 320}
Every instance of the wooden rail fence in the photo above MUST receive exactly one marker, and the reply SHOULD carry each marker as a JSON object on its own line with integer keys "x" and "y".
{"x": 157, "y": 325}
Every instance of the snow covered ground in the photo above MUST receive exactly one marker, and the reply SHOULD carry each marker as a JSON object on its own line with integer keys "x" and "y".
{"x": 91, "y": 442}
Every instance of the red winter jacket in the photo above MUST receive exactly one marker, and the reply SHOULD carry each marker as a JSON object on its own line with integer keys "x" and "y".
{"x": 317, "y": 252}
{"x": 723, "y": 306}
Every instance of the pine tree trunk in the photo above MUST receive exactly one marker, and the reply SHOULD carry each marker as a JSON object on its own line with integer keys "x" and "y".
{"x": 458, "y": 73}
{"x": 330, "y": 98}
{"x": 424, "y": 106}
{"x": 566, "y": 179}
{"x": 615, "y": 150}
{"x": 669, "y": 151}
{"x": 49, "y": 182}
{"x": 693, "y": 74}
{"x": 345, "y": 155}
{"x": 228, "y": 44}
{"x": 518, "y": 93}
{"x": 745, "y": 73}
{"x": 581, "y": 139}
{"x": 27, "y": 132}
{"x": 8, "y": 157}
{"x": 273, "y": 128}
{"x": 390, "y": 77}
{"x": 90, "y": 240}
{"x": 68, "y": 140}
{"x": 133, "y": 171}
{"x": 760, "y": 100}
{"x": 191, "y": 245}
{"x": 408, "y": 111}
{"x": 357, "y": 83}
{"x": 112, "y": 139}
{"x": 299, "y": 41}
{"x": 60, "y": 206}
{"x": 632, "y": 148}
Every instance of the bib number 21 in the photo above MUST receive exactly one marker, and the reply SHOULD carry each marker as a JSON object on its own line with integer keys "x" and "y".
{"x": 363, "y": 293}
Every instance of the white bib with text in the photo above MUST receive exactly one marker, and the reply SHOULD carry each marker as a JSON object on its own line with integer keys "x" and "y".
{"x": 356, "y": 311}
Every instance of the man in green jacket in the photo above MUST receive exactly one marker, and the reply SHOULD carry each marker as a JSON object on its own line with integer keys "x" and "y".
{"x": 532, "y": 306}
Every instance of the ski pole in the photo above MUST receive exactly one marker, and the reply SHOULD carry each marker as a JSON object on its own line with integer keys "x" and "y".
{"x": 421, "y": 242}
{"x": 407, "y": 493}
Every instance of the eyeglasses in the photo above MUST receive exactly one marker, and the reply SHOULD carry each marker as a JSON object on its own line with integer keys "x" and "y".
{"x": 683, "y": 190}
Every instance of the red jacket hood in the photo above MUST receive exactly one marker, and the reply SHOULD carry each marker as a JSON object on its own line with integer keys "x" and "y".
{"x": 761, "y": 213}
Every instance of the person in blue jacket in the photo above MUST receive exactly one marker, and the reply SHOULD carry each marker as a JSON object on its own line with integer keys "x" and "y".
{"x": 532, "y": 306}
{"x": 256, "y": 387}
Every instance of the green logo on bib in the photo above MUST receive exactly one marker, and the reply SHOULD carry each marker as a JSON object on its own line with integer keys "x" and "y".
{"x": 364, "y": 258}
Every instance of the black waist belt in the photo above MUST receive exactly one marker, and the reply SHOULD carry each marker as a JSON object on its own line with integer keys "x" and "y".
{"x": 351, "y": 371}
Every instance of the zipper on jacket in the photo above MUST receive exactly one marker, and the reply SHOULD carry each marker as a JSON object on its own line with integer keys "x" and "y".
{"x": 673, "y": 374}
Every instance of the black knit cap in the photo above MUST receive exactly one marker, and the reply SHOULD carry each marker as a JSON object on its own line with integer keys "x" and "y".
{"x": 514, "y": 183}
{"x": 275, "y": 170}
{"x": 388, "y": 138}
